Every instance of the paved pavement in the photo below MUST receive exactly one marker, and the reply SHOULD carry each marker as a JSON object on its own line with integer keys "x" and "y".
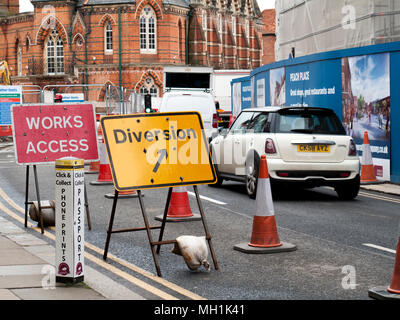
{"x": 27, "y": 272}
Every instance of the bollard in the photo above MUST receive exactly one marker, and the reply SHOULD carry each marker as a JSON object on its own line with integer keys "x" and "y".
{"x": 70, "y": 202}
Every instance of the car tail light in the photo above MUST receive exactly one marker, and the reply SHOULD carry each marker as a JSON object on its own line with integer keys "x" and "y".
{"x": 215, "y": 121}
{"x": 283, "y": 174}
{"x": 269, "y": 146}
{"x": 352, "y": 149}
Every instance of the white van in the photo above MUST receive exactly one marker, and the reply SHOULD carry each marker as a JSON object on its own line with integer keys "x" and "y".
{"x": 202, "y": 102}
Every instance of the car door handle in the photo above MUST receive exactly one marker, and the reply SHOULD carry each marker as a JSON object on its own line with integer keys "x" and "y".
{"x": 237, "y": 141}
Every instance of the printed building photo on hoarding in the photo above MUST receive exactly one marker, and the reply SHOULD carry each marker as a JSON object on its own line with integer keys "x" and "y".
{"x": 366, "y": 96}
{"x": 277, "y": 86}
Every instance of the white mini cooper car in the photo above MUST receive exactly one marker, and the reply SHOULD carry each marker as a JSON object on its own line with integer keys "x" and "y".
{"x": 304, "y": 146}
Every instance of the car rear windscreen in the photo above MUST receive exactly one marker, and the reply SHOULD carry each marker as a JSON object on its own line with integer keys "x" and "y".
{"x": 313, "y": 121}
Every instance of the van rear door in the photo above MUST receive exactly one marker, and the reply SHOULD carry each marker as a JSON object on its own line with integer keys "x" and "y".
{"x": 202, "y": 103}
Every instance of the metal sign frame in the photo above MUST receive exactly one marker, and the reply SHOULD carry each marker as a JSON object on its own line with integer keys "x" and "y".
{"x": 148, "y": 228}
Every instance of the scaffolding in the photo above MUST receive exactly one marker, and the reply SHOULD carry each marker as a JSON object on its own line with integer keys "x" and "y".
{"x": 313, "y": 26}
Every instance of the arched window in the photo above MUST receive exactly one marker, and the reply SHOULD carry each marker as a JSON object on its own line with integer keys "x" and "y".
{"x": 149, "y": 87}
{"x": 108, "y": 38}
{"x": 205, "y": 24}
{"x": 219, "y": 22}
{"x": 148, "y": 29}
{"x": 234, "y": 26}
{"x": 247, "y": 28}
{"x": 19, "y": 58}
{"x": 55, "y": 54}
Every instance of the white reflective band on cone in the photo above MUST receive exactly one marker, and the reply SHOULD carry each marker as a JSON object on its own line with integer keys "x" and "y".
{"x": 366, "y": 154}
{"x": 103, "y": 155}
{"x": 264, "y": 196}
{"x": 179, "y": 189}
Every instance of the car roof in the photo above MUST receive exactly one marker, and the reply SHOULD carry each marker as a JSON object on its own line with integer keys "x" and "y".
{"x": 277, "y": 108}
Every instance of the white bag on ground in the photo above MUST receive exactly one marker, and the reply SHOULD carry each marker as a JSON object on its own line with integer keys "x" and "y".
{"x": 194, "y": 250}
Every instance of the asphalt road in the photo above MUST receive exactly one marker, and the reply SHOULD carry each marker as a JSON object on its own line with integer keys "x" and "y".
{"x": 331, "y": 236}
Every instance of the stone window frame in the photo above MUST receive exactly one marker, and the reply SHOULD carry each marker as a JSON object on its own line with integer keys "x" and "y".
{"x": 19, "y": 60}
{"x": 57, "y": 60}
{"x": 108, "y": 38}
{"x": 149, "y": 86}
{"x": 148, "y": 30}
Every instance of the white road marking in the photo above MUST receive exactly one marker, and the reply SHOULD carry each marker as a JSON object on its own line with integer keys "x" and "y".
{"x": 207, "y": 199}
{"x": 379, "y": 247}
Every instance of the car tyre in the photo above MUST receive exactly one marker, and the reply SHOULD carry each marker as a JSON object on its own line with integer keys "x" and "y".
{"x": 252, "y": 177}
{"x": 348, "y": 191}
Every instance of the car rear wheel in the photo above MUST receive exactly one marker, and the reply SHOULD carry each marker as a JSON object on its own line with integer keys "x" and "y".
{"x": 348, "y": 191}
{"x": 252, "y": 179}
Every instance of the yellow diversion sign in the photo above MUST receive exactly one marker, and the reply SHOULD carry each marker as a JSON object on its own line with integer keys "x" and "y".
{"x": 157, "y": 150}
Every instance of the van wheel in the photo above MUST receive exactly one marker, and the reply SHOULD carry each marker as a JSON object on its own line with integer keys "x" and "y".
{"x": 252, "y": 178}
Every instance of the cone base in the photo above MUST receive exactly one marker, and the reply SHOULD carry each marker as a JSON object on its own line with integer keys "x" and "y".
{"x": 195, "y": 217}
{"x": 91, "y": 172}
{"x": 382, "y": 293}
{"x": 265, "y": 246}
{"x": 393, "y": 291}
{"x": 369, "y": 181}
{"x": 245, "y": 248}
{"x": 122, "y": 196}
{"x": 101, "y": 183}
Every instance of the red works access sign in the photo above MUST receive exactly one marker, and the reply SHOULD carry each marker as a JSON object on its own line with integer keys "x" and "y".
{"x": 45, "y": 133}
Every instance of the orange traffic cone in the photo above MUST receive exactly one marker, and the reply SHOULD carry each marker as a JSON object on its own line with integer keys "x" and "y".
{"x": 179, "y": 207}
{"x": 95, "y": 165}
{"x": 105, "y": 176}
{"x": 367, "y": 167}
{"x": 395, "y": 285}
{"x": 393, "y": 291}
{"x": 264, "y": 238}
{"x": 123, "y": 194}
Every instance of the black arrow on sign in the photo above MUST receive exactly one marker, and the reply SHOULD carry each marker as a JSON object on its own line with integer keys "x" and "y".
{"x": 163, "y": 154}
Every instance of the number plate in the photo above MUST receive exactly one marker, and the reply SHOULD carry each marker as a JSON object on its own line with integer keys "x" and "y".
{"x": 322, "y": 148}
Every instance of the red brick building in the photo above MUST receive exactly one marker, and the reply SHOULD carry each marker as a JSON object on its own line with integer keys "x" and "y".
{"x": 269, "y": 36}
{"x": 126, "y": 42}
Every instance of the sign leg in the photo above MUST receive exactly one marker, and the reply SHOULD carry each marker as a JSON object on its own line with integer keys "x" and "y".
{"x": 203, "y": 219}
{"x": 87, "y": 209}
{"x": 146, "y": 222}
{"x": 110, "y": 226}
{"x": 26, "y": 196}
{"x": 38, "y": 199}
{"x": 164, "y": 219}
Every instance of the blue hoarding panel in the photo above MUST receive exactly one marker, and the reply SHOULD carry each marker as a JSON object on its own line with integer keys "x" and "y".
{"x": 395, "y": 116}
{"x": 317, "y": 84}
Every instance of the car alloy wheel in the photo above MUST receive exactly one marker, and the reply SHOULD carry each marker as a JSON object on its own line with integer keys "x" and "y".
{"x": 251, "y": 180}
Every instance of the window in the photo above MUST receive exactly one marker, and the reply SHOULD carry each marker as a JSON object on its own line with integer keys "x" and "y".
{"x": 148, "y": 29}
{"x": 149, "y": 87}
{"x": 19, "y": 53}
{"x": 242, "y": 122}
{"x": 247, "y": 26}
{"x": 219, "y": 23}
{"x": 234, "y": 26}
{"x": 55, "y": 54}
{"x": 205, "y": 24}
{"x": 108, "y": 37}
{"x": 310, "y": 121}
